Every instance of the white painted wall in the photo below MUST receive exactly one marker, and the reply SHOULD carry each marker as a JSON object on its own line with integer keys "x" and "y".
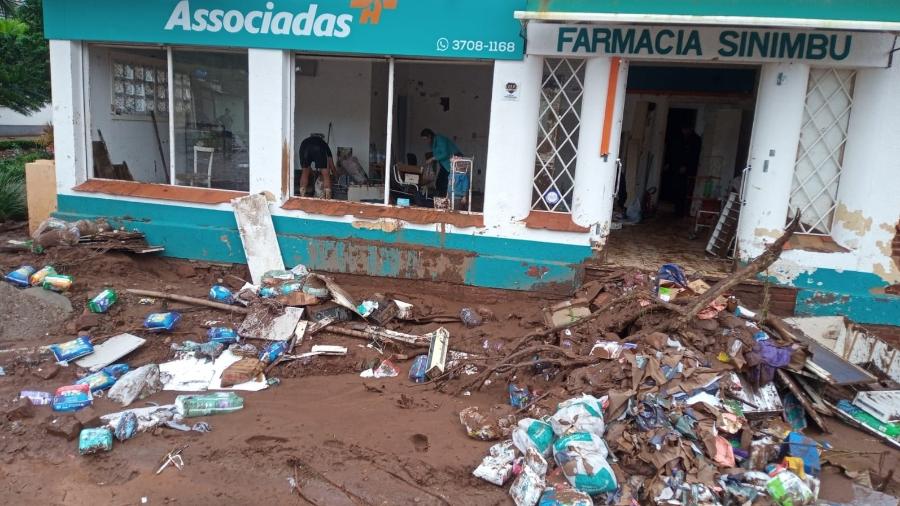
{"x": 66, "y": 69}
{"x": 773, "y": 150}
{"x": 595, "y": 175}
{"x": 468, "y": 86}
{"x": 270, "y": 119}
{"x": 129, "y": 139}
{"x": 339, "y": 93}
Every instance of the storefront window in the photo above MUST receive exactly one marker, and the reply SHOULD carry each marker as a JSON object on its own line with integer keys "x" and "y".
{"x": 128, "y": 112}
{"x": 344, "y": 107}
{"x": 137, "y": 111}
{"x": 211, "y": 111}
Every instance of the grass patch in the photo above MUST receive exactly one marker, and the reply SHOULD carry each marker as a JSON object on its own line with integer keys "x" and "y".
{"x": 13, "y": 157}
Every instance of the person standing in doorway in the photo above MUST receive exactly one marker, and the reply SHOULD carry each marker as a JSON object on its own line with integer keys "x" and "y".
{"x": 442, "y": 149}
{"x": 315, "y": 155}
{"x": 686, "y": 158}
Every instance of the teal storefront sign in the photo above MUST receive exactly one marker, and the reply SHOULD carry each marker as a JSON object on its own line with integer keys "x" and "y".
{"x": 429, "y": 28}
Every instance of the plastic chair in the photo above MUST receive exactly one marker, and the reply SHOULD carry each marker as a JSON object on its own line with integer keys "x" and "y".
{"x": 211, "y": 152}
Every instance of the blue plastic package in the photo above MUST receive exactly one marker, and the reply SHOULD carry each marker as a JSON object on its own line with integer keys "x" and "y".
{"x": 76, "y": 348}
{"x": 127, "y": 426}
{"x": 418, "y": 369}
{"x": 162, "y": 321}
{"x": 807, "y": 449}
{"x": 224, "y": 335}
{"x": 94, "y": 440}
{"x": 272, "y": 352}
{"x": 519, "y": 397}
{"x": 21, "y": 277}
{"x": 72, "y": 398}
{"x": 104, "y": 378}
{"x": 221, "y": 294}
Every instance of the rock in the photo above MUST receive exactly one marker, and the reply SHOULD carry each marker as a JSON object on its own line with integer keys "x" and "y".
{"x": 186, "y": 271}
{"x": 87, "y": 321}
{"x": 63, "y": 426}
{"x": 88, "y": 417}
{"x": 46, "y": 371}
{"x": 51, "y": 298}
{"x": 20, "y": 409}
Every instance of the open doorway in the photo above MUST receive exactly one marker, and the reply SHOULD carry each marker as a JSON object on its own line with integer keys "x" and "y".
{"x": 685, "y": 138}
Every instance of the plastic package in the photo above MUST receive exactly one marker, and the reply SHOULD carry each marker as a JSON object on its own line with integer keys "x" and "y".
{"x": 579, "y": 414}
{"x": 386, "y": 369}
{"x": 71, "y": 350}
{"x": 528, "y": 487}
{"x": 497, "y": 466}
{"x": 189, "y": 406}
{"x": 531, "y": 433}
{"x": 272, "y": 352}
{"x": 127, "y": 426}
{"x": 37, "y": 279}
{"x": 519, "y": 397}
{"x": 582, "y": 458}
{"x": 565, "y": 496}
{"x": 20, "y": 277}
{"x": 417, "y": 371}
{"x": 104, "y": 378}
{"x": 470, "y": 317}
{"x": 224, "y": 335}
{"x": 162, "y": 321}
{"x": 94, "y": 440}
{"x": 57, "y": 282}
{"x": 103, "y": 300}
{"x": 37, "y": 398}
{"x": 787, "y": 489}
{"x": 221, "y": 294}
{"x": 72, "y": 398}
{"x": 137, "y": 384}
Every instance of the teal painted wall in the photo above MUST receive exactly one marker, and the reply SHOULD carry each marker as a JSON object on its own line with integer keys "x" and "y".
{"x": 856, "y": 10}
{"x": 210, "y": 234}
{"x": 857, "y": 295}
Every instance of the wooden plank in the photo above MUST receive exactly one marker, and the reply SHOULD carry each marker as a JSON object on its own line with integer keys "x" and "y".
{"x": 258, "y": 235}
{"x": 40, "y": 191}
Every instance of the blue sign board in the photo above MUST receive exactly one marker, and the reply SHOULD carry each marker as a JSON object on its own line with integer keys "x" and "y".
{"x": 425, "y": 28}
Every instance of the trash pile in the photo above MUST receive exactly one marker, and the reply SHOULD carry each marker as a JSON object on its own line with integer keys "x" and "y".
{"x": 672, "y": 393}
{"x": 97, "y": 235}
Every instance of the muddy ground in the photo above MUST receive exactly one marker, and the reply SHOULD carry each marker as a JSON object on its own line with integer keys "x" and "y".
{"x": 343, "y": 439}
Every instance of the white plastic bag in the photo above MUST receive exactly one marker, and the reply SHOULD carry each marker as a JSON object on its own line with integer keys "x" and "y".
{"x": 531, "y": 433}
{"x": 579, "y": 414}
{"x": 582, "y": 458}
{"x": 528, "y": 487}
{"x": 497, "y": 467}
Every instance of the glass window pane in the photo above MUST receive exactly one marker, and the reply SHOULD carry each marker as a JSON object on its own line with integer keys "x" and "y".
{"x": 129, "y": 133}
{"x": 211, "y": 114}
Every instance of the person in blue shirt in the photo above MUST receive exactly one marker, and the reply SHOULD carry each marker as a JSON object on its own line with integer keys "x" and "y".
{"x": 442, "y": 149}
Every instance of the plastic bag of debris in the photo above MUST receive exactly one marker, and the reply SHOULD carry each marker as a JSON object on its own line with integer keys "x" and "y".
{"x": 787, "y": 489}
{"x": 564, "y": 496}
{"x": 497, "y": 466}
{"x": 531, "y": 433}
{"x": 579, "y": 414}
{"x": 137, "y": 384}
{"x": 582, "y": 458}
{"x": 528, "y": 487}
{"x": 486, "y": 427}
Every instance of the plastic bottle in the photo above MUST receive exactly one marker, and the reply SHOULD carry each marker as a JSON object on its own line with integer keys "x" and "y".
{"x": 103, "y": 300}
{"x": 224, "y": 335}
{"x": 221, "y": 294}
{"x": 272, "y": 352}
{"x": 190, "y": 406}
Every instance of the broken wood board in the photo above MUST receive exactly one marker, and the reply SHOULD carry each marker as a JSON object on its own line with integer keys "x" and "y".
{"x": 257, "y": 231}
{"x": 836, "y": 356}
{"x": 262, "y": 324}
{"x": 191, "y": 374}
{"x": 338, "y": 294}
{"x": 109, "y": 351}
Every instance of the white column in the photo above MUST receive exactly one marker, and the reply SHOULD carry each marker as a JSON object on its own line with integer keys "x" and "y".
{"x": 595, "y": 175}
{"x": 67, "y": 88}
{"x": 868, "y": 202}
{"x": 512, "y": 141}
{"x": 271, "y": 114}
{"x": 773, "y": 152}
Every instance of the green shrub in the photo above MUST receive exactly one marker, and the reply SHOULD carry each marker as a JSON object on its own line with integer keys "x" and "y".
{"x": 12, "y": 196}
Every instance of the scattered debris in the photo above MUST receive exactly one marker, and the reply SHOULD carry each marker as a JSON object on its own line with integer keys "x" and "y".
{"x": 110, "y": 351}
